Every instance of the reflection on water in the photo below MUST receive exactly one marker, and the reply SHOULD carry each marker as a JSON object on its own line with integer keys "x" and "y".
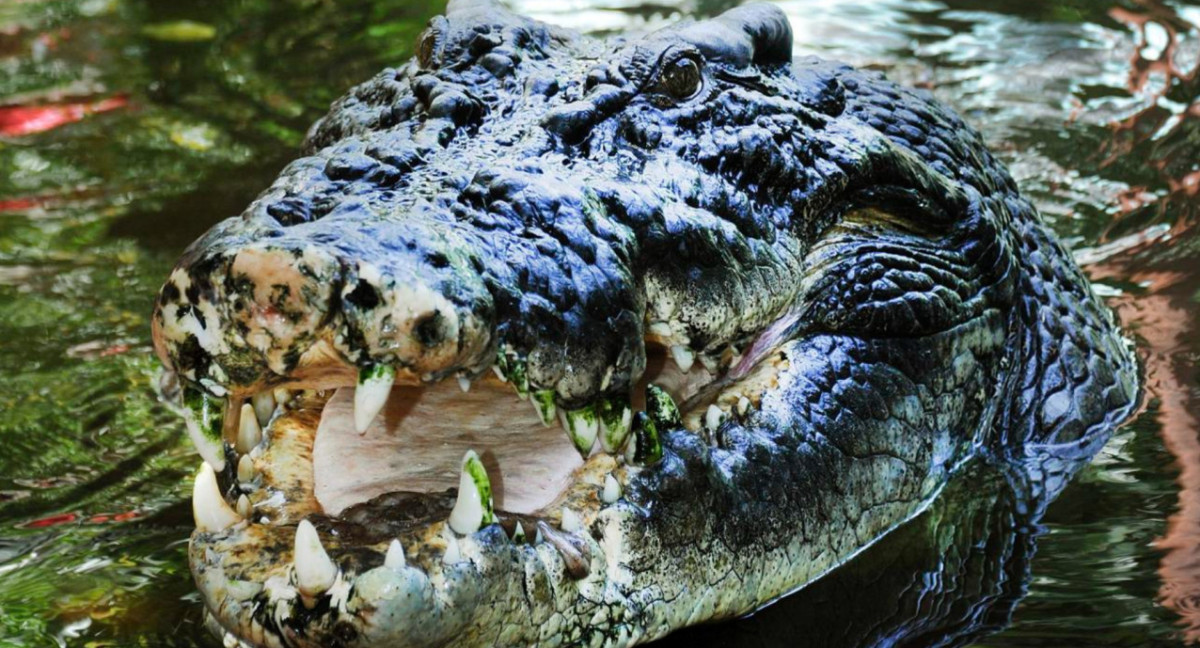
{"x": 127, "y": 127}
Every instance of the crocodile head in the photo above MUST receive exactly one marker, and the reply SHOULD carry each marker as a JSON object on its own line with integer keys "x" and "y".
{"x": 553, "y": 340}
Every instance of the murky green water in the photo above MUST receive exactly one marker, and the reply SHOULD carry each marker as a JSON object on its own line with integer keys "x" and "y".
{"x": 127, "y": 127}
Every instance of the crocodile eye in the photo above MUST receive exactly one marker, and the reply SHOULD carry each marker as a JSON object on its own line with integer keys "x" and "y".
{"x": 681, "y": 79}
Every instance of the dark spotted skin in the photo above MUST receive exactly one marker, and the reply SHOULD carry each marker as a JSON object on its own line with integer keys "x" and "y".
{"x": 567, "y": 200}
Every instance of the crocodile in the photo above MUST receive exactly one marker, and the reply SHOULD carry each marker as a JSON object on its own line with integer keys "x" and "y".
{"x": 559, "y": 340}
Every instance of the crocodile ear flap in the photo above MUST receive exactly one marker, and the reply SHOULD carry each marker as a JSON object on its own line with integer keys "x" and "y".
{"x": 757, "y": 33}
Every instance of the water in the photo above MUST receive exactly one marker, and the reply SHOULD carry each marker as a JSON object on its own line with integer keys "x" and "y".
{"x": 127, "y": 127}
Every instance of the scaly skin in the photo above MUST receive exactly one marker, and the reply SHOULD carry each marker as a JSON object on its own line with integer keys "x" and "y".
{"x": 525, "y": 193}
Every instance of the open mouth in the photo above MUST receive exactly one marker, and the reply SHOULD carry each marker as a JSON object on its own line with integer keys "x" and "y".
{"x": 321, "y": 486}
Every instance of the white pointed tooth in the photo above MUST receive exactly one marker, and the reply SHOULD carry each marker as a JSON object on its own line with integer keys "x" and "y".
{"x": 743, "y": 406}
{"x": 464, "y": 383}
{"x": 473, "y": 509}
{"x": 264, "y": 406}
{"x": 245, "y": 470}
{"x": 684, "y": 357}
{"x": 499, "y": 373}
{"x": 710, "y": 363}
{"x": 612, "y": 489}
{"x": 209, "y": 508}
{"x": 243, "y": 506}
{"x": 315, "y": 572}
{"x": 660, "y": 329}
{"x": 537, "y": 539}
{"x": 518, "y": 535}
{"x": 452, "y": 554}
{"x": 395, "y": 556}
{"x": 249, "y": 431}
{"x": 712, "y": 417}
{"x": 374, "y": 386}
{"x": 570, "y": 521}
{"x": 582, "y": 427}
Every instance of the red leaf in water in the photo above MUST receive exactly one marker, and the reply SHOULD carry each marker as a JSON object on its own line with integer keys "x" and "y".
{"x": 113, "y": 350}
{"x": 27, "y": 120}
{"x": 53, "y": 520}
{"x": 17, "y": 204}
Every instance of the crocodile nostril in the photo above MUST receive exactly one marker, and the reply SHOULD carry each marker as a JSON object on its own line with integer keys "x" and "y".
{"x": 438, "y": 260}
{"x": 430, "y": 329}
{"x": 364, "y": 296}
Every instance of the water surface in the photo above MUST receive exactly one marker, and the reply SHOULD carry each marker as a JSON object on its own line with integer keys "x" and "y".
{"x": 127, "y": 127}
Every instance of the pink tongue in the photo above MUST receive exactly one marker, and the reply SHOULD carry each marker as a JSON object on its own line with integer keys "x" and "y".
{"x": 418, "y": 441}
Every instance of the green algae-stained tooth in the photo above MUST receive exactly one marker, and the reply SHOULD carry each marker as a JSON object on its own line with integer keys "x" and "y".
{"x": 517, "y": 376}
{"x": 661, "y": 407}
{"x": 615, "y": 419}
{"x": 205, "y": 421}
{"x": 645, "y": 448}
{"x": 371, "y": 394}
{"x": 502, "y": 363}
{"x": 473, "y": 509}
{"x": 543, "y": 402}
{"x": 581, "y": 426}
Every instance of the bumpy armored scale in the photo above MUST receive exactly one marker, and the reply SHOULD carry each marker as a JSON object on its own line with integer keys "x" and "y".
{"x": 758, "y": 310}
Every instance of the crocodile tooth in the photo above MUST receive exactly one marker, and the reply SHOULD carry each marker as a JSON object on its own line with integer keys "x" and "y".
{"x": 395, "y": 556}
{"x": 660, "y": 329}
{"x": 684, "y": 357}
{"x": 570, "y": 521}
{"x": 615, "y": 418}
{"x": 264, "y": 406}
{"x": 644, "y": 447}
{"x": 576, "y": 554}
{"x": 315, "y": 572}
{"x": 661, "y": 408}
{"x": 473, "y": 509}
{"x": 203, "y": 418}
{"x": 612, "y": 489}
{"x": 518, "y": 535}
{"x": 249, "y": 431}
{"x": 371, "y": 394}
{"x": 209, "y": 508}
{"x": 582, "y": 426}
{"x": 499, "y": 373}
{"x": 543, "y": 402}
{"x": 245, "y": 470}
{"x": 452, "y": 554}
{"x": 710, "y": 363}
{"x": 519, "y": 377}
{"x": 464, "y": 383}
{"x": 712, "y": 417}
{"x": 743, "y": 406}
{"x": 243, "y": 506}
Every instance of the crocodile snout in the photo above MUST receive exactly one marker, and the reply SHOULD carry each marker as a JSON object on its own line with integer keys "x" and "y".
{"x": 298, "y": 309}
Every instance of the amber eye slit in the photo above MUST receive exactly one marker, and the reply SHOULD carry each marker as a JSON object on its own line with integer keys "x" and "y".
{"x": 681, "y": 79}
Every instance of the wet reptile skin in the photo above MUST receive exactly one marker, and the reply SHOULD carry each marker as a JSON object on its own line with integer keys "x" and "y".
{"x": 521, "y": 189}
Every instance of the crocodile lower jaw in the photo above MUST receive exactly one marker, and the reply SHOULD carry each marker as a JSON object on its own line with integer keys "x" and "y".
{"x": 310, "y": 516}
